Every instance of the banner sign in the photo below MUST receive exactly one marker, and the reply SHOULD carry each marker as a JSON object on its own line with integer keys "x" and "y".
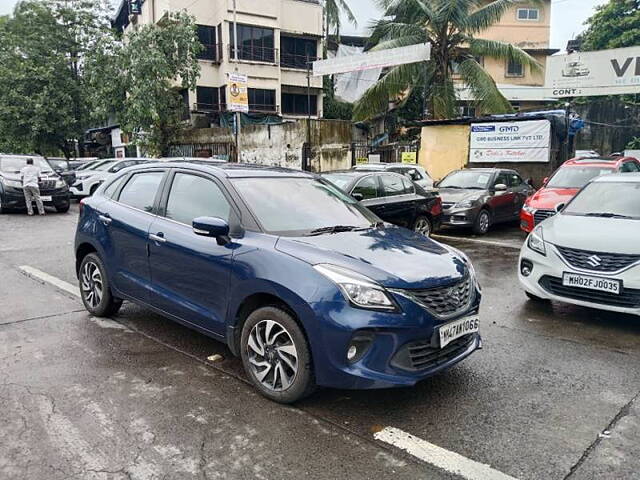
{"x": 238, "y": 93}
{"x": 604, "y": 72}
{"x": 525, "y": 141}
{"x": 410, "y": 157}
{"x": 378, "y": 59}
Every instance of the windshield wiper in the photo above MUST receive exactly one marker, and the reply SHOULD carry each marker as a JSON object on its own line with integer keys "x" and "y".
{"x": 449, "y": 186}
{"x": 333, "y": 229}
{"x": 606, "y": 215}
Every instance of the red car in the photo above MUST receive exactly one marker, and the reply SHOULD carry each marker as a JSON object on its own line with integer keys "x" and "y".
{"x": 566, "y": 182}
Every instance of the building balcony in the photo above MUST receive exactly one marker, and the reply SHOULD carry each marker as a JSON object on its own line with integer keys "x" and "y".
{"x": 254, "y": 54}
{"x": 298, "y": 62}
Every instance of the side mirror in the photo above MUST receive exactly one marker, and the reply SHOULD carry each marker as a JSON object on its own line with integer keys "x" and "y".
{"x": 546, "y": 179}
{"x": 500, "y": 187}
{"x": 559, "y": 207}
{"x": 358, "y": 196}
{"x": 436, "y": 183}
{"x": 213, "y": 227}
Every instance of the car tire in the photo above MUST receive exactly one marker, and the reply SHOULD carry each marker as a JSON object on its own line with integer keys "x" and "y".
{"x": 276, "y": 356}
{"x": 482, "y": 222}
{"x": 95, "y": 290}
{"x": 63, "y": 208}
{"x": 423, "y": 226}
{"x": 535, "y": 298}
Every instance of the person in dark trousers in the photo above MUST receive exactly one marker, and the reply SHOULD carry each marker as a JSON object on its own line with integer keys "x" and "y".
{"x": 30, "y": 179}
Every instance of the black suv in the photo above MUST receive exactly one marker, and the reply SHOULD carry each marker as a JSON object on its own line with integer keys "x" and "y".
{"x": 53, "y": 189}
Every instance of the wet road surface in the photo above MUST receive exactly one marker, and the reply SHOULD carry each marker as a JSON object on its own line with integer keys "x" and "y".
{"x": 553, "y": 394}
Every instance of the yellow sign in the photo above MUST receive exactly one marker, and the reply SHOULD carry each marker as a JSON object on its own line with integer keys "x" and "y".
{"x": 238, "y": 93}
{"x": 410, "y": 157}
{"x": 362, "y": 160}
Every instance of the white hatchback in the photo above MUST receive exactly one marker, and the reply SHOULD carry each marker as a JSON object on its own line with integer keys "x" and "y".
{"x": 589, "y": 254}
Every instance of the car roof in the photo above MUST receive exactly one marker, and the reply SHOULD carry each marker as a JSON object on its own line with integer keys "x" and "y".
{"x": 599, "y": 161}
{"x": 383, "y": 166}
{"x": 618, "y": 177}
{"x": 230, "y": 170}
{"x": 19, "y": 155}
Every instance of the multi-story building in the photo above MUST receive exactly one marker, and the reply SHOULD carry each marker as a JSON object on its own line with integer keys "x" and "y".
{"x": 276, "y": 40}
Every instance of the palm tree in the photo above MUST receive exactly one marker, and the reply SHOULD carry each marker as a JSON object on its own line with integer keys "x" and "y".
{"x": 450, "y": 26}
{"x": 332, "y": 11}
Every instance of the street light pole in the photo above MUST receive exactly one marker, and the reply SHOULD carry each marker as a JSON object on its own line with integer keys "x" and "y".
{"x": 235, "y": 58}
{"x": 308, "y": 152}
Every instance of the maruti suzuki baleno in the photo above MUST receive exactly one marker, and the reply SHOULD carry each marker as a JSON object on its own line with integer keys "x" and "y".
{"x": 307, "y": 286}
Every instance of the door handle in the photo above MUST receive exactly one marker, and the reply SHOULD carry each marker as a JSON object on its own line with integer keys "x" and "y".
{"x": 105, "y": 219}
{"x": 158, "y": 237}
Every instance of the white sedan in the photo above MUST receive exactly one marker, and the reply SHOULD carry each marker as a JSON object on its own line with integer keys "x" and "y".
{"x": 589, "y": 254}
{"x": 87, "y": 181}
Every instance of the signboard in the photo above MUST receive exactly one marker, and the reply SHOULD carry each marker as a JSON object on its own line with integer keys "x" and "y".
{"x": 410, "y": 157}
{"x": 583, "y": 74}
{"x": 378, "y": 59}
{"x": 238, "y": 93}
{"x": 526, "y": 141}
{"x": 362, "y": 160}
{"x": 374, "y": 158}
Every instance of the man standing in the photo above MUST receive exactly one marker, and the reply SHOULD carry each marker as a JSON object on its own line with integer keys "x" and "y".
{"x": 30, "y": 178}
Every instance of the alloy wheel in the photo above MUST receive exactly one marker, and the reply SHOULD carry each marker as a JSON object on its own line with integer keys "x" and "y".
{"x": 272, "y": 355}
{"x": 484, "y": 222}
{"x": 92, "y": 286}
{"x": 423, "y": 227}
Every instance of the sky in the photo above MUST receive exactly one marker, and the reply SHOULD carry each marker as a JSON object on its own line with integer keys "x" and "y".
{"x": 567, "y": 17}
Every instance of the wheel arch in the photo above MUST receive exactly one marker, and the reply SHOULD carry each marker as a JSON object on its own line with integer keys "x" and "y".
{"x": 82, "y": 251}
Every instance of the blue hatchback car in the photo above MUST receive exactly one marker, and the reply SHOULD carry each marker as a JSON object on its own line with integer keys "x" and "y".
{"x": 307, "y": 286}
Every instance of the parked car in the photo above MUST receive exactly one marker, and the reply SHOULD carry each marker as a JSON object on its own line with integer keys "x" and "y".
{"x": 77, "y": 163}
{"x": 88, "y": 165}
{"x": 300, "y": 280}
{"x": 481, "y": 197}
{"x": 566, "y": 182}
{"x": 392, "y": 197}
{"x": 87, "y": 181}
{"x": 416, "y": 173}
{"x": 588, "y": 253}
{"x": 53, "y": 189}
{"x": 63, "y": 168}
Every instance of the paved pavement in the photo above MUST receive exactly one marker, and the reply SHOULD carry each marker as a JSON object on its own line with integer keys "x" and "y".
{"x": 553, "y": 394}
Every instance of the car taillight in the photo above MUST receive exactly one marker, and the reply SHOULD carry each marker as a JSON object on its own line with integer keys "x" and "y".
{"x": 437, "y": 207}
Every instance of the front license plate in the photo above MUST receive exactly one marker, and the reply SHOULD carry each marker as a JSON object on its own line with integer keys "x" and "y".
{"x": 46, "y": 198}
{"x": 450, "y": 331}
{"x": 591, "y": 283}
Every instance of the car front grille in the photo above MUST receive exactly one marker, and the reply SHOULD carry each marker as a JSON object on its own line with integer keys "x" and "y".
{"x": 444, "y": 302}
{"x": 597, "y": 261}
{"x": 541, "y": 215}
{"x": 47, "y": 184}
{"x": 422, "y": 355}
{"x": 628, "y": 298}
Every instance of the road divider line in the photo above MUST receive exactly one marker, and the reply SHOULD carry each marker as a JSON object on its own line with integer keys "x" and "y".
{"x": 45, "y": 277}
{"x": 441, "y": 458}
{"x": 475, "y": 240}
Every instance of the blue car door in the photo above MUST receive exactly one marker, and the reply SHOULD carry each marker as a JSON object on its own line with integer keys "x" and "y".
{"x": 126, "y": 220}
{"x": 190, "y": 273}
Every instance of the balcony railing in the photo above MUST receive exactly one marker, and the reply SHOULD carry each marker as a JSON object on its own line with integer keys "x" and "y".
{"x": 260, "y": 108}
{"x": 211, "y": 52}
{"x": 209, "y": 107}
{"x": 302, "y": 62}
{"x": 254, "y": 54}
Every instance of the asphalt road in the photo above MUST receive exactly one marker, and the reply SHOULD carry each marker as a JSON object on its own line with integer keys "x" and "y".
{"x": 554, "y": 394}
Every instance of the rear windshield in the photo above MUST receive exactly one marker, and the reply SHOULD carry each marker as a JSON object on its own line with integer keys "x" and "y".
{"x": 607, "y": 199}
{"x": 576, "y": 177}
{"x": 15, "y": 164}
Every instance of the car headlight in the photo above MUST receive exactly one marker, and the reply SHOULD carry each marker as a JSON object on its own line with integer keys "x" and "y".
{"x": 466, "y": 203}
{"x": 536, "y": 241}
{"x": 529, "y": 209}
{"x": 12, "y": 183}
{"x": 361, "y": 291}
{"x": 60, "y": 183}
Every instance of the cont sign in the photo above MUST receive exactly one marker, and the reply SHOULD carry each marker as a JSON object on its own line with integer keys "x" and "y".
{"x": 238, "y": 93}
{"x": 526, "y": 141}
{"x": 604, "y": 72}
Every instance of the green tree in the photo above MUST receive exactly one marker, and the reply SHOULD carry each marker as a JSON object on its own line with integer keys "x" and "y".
{"x": 333, "y": 9}
{"x": 451, "y": 28}
{"x": 614, "y": 25}
{"x": 137, "y": 80}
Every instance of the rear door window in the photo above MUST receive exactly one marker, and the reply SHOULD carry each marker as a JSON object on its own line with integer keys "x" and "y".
{"x": 141, "y": 189}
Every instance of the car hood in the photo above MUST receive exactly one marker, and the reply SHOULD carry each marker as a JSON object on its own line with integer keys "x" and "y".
{"x": 18, "y": 178}
{"x": 455, "y": 195}
{"x": 392, "y": 256}
{"x": 548, "y": 198}
{"x": 90, "y": 173}
{"x": 613, "y": 235}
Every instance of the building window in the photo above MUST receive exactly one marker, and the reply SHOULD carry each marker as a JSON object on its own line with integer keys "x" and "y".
{"x": 514, "y": 69}
{"x": 255, "y": 43}
{"x": 262, "y": 100}
{"x": 208, "y": 99}
{"x": 207, "y": 37}
{"x": 467, "y": 111}
{"x": 298, "y": 103}
{"x": 294, "y": 52}
{"x": 529, "y": 14}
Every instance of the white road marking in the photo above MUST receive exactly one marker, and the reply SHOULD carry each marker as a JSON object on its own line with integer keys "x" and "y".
{"x": 475, "y": 240}
{"x": 56, "y": 282}
{"x": 450, "y": 462}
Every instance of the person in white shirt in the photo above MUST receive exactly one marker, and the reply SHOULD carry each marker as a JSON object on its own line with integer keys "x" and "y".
{"x": 30, "y": 179}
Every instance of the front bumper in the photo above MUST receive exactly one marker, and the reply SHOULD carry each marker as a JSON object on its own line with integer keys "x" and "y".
{"x": 14, "y": 198}
{"x": 545, "y": 281}
{"x": 384, "y": 364}
{"x": 460, "y": 217}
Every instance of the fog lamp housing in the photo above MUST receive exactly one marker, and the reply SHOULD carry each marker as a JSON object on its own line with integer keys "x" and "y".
{"x": 359, "y": 346}
{"x": 526, "y": 267}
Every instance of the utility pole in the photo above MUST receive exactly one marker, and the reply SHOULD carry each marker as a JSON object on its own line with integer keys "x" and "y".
{"x": 305, "y": 166}
{"x": 235, "y": 58}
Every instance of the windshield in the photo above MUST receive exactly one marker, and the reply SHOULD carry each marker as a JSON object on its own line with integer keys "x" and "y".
{"x": 340, "y": 180}
{"x": 576, "y": 177}
{"x": 15, "y": 164}
{"x": 607, "y": 199}
{"x": 87, "y": 166}
{"x": 101, "y": 167}
{"x": 299, "y": 206}
{"x": 466, "y": 179}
